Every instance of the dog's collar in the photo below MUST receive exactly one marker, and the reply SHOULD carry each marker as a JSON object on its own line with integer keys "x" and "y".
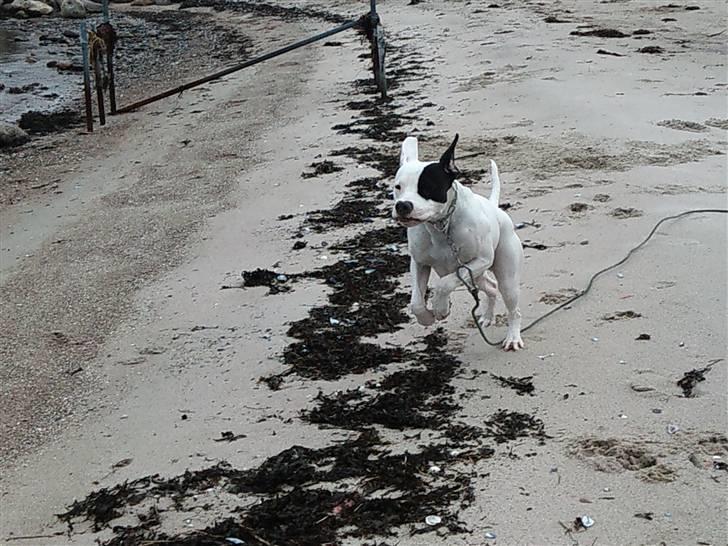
{"x": 443, "y": 224}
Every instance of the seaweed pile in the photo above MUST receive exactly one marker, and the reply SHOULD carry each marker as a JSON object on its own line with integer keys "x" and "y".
{"x": 399, "y": 489}
{"x": 364, "y": 487}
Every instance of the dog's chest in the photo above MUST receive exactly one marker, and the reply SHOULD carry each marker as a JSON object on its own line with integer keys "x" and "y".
{"x": 433, "y": 250}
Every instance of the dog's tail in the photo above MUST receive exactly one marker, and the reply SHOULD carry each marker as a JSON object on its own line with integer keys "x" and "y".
{"x": 495, "y": 183}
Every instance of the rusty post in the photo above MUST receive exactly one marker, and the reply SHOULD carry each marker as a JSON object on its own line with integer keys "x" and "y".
{"x": 99, "y": 80}
{"x": 106, "y": 32}
{"x": 86, "y": 79}
{"x": 376, "y": 36}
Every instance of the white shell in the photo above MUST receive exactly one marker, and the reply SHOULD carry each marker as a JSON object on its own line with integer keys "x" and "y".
{"x": 586, "y": 521}
{"x": 433, "y": 520}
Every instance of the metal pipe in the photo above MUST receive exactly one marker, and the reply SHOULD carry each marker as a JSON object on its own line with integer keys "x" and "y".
{"x": 86, "y": 79}
{"x": 246, "y": 64}
{"x": 107, "y": 33}
{"x": 110, "y": 72}
{"x": 99, "y": 83}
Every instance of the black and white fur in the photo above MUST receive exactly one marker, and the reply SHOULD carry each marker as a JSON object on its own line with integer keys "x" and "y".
{"x": 425, "y": 193}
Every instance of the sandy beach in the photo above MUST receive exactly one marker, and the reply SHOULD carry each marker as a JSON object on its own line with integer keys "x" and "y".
{"x": 204, "y": 333}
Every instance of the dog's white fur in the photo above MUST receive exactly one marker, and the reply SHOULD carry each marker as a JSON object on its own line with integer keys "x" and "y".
{"x": 483, "y": 234}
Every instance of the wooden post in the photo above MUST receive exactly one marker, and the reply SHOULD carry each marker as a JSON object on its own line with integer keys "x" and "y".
{"x": 105, "y": 10}
{"x": 86, "y": 79}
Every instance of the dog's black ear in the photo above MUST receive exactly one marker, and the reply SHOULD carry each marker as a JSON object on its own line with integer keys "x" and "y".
{"x": 447, "y": 161}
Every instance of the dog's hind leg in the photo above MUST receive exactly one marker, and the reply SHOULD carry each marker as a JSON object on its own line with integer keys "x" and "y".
{"x": 486, "y": 308}
{"x": 507, "y": 268}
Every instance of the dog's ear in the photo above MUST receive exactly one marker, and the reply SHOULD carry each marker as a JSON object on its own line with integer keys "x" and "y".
{"x": 409, "y": 151}
{"x": 447, "y": 161}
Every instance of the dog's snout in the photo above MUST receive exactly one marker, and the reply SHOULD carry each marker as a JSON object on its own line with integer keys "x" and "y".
{"x": 404, "y": 208}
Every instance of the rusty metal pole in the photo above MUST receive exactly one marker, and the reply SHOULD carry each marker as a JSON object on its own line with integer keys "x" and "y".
{"x": 107, "y": 33}
{"x": 377, "y": 44}
{"x": 99, "y": 82}
{"x": 110, "y": 72}
{"x": 246, "y": 64}
{"x": 86, "y": 79}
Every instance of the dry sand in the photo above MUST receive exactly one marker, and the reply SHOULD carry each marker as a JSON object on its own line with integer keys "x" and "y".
{"x": 151, "y": 228}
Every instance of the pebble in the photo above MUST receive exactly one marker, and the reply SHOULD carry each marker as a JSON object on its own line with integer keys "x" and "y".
{"x": 490, "y": 535}
{"x": 587, "y": 522}
{"x": 672, "y": 429}
{"x": 642, "y": 388}
{"x": 433, "y": 520}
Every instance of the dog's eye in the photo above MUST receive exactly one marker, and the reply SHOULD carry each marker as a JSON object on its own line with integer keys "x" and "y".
{"x": 398, "y": 187}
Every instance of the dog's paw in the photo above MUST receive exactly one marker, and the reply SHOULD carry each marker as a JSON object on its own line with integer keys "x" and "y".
{"x": 485, "y": 319}
{"x": 513, "y": 342}
{"x": 424, "y": 316}
{"x": 440, "y": 305}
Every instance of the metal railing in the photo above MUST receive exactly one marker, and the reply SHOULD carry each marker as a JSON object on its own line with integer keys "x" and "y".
{"x": 101, "y": 42}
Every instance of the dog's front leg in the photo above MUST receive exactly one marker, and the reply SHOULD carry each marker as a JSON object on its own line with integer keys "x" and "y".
{"x": 420, "y": 277}
{"x": 448, "y": 283}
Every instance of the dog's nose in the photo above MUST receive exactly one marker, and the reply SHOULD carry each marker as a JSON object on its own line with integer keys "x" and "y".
{"x": 404, "y": 208}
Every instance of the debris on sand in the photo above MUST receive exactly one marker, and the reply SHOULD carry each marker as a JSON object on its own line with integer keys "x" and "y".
{"x": 651, "y": 49}
{"x": 578, "y": 207}
{"x": 555, "y": 19}
{"x": 600, "y": 33}
{"x": 628, "y": 212}
{"x": 621, "y": 315}
{"x": 522, "y": 385}
{"x": 643, "y": 337}
{"x": 505, "y": 426}
{"x": 307, "y": 496}
{"x": 611, "y": 53}
{"x": 322, "y": 167}
{"x": 717, "y": 123}
{"x": 681, "y": 125}
{"x": 534, "y": 245}
{"x": 43, "y": 123}
{"x": 275, "y": 282}
{"x": 690, "y": 379}
{"x": 229, "y": 436}
{"x": 413, "y": 398}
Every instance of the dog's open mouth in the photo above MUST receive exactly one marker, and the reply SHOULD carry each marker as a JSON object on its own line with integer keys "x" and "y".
{"x": 409, "y": 222}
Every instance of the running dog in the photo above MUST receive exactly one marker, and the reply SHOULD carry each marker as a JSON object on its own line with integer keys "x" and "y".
{"x": 451, "y": 229}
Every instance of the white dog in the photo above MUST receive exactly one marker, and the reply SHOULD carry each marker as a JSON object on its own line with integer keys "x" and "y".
{"x": 450, "y": 227}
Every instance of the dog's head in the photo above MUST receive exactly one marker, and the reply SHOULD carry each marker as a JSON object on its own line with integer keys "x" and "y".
{"x": 421, "y": 189}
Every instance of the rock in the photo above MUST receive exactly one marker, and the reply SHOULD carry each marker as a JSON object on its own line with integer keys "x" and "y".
{"x": 91, "y": 7}
{"x": 73, "y": 9}
{"x": 12, "y": 135}
{"x": 32, "y": 8}
{"x": 142, "y": 2}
